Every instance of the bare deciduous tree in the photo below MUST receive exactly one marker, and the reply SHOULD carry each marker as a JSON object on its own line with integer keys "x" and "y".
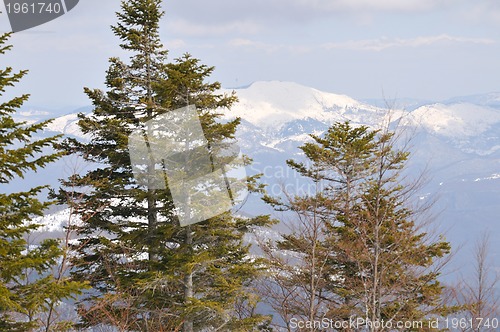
{"x": 478, "y": 294}
{"x": 295, "y": 284}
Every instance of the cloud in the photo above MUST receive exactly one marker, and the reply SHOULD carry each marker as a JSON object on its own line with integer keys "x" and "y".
{"x": 267, "y": 47}
{"x": 220, "y": 11}
{"x": 175, "y": 44}
{"x": 381, "y": 44}
{"x": 370, "y": 5}
{"x": 187, "y": 28}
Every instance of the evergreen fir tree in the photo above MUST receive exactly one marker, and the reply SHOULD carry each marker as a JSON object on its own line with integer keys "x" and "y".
{"x": 148, "y": 273}
{"x": 376, "y": 260}
{"x": 27, "y": 286}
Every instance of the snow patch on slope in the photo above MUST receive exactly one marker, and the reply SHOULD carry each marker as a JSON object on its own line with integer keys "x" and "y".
{"x": 456, "y": 120}
{"x": 67, "y": 124}
{"x": 56, "y": 222}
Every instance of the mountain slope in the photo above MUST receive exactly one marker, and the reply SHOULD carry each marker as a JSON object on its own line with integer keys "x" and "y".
{"x": 457, "y": 142}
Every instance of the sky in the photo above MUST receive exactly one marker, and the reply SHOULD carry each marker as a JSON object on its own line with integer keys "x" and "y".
{"x": 424, "y": 49}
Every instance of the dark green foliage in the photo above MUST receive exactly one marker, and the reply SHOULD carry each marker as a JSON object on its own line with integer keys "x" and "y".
{"x": 147, "y": 272}
{"x": 27, "y": 286}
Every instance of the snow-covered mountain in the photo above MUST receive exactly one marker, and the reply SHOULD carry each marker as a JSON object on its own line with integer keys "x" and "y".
{"x": 457, "y": 141}
{"x": 271, "y": 105}
{"x": 471, "y": 128}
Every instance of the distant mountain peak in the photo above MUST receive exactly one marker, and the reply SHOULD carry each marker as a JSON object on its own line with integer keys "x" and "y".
{"x": 271, "y": 104}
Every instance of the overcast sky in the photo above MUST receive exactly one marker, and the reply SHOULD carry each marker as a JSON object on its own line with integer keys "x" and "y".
{"x": 428, "y": 49}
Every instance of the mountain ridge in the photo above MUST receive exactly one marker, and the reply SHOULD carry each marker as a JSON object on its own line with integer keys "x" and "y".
{"x": 456, "y": 141}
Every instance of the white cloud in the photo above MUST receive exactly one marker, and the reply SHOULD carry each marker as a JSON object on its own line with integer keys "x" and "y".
{"x": 371, "y": 5}
{"x": 267, "y": 47}
{"x": 223, "y": 11}
{"x": 381, "y": 44}
{"x": 175, "y": 44}
{"x": 186, "y": 28}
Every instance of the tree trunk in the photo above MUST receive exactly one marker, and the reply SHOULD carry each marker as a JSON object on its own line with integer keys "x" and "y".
{"x": 188, "y": 282}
